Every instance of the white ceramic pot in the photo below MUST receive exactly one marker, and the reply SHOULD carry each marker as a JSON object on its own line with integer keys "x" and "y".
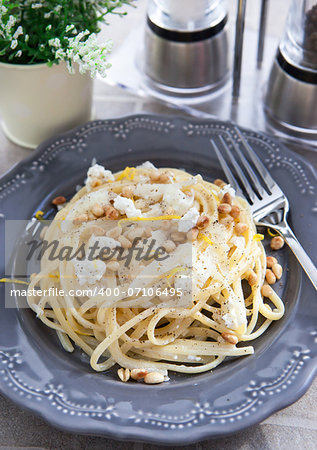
{"x": 37, "y": 101}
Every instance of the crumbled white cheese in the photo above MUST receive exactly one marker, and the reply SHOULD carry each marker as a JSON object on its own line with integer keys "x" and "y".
{"x": 226, "y": 189}
{"x": 229, "y": 321}
{"x": 204, "y": 266}
{"x": 183, "y": 285}
{"x": 238, "y": 241}
{"x": 159, "y": 236}
{"x": 97, "y": 172}
{"x": 151, "y": 192}
{"x": 89, "y": 271}
{"x": 233, "y": 313}
{"x": 154, "y": 211}
{"x": 176, "y": 199}
{"x": 103, "y": 241}
{"x": 189, "y": 220}
{"x": 146, "y": 165}
{"x": 127, "y": 207}
{"x": 193, "y": 358}
{"x": 39, "y": 311}
{"x": 170, "y": 195}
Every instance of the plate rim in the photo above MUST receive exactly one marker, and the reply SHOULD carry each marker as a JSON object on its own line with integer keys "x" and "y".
{"x": 143, "y": 434}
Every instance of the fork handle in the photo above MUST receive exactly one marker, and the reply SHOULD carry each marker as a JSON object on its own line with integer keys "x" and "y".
{"x": 301, "y": 255}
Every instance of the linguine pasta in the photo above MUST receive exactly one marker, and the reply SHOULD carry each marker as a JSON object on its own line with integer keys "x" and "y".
{"x": 226, "y": 309}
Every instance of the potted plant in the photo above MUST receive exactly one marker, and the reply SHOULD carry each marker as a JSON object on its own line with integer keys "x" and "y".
{"x": 49, "y": 54}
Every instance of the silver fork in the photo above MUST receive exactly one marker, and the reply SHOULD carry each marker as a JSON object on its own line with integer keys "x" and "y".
{"x": 265, "y": 197}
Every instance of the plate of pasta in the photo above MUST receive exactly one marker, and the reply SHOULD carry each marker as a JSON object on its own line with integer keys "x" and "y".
{"x": 151, "y": 307}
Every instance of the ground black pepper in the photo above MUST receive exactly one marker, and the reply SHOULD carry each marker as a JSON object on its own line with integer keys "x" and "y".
{"x": 310, "y": 35}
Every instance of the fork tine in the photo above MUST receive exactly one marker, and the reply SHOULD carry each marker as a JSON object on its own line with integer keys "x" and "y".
{"x": 263, "y": 172}
{"x": 244, "y": 181}
{"x": 226, "y": 169}
{"x": 250, "y": 171}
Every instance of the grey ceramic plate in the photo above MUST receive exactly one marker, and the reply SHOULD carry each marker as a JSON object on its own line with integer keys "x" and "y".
{"x": 37, "y": 374}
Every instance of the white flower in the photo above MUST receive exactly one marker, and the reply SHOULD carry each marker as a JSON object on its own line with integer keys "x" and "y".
{"x": 18, "y": 53}
{"x": 10, "y": 24}
{"x": 70, "y": 28}
{"x": 49, "y": 27}
{"x": 70, "y": 67}
{"x": 47, "y": 15}
{"x": 60, "y": 54}
{"x": 14, "y": 44}
{"x": 88, "y": 54}
{"x": 18, "y": 32}
{"x": 26, "y": 38}
{"x": 56, "y": 43}
{"x": 36, "y": 5}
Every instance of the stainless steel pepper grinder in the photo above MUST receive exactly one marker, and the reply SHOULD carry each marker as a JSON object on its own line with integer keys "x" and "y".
{"x": 291, "y": 96}
{"x": 186, "y": 46}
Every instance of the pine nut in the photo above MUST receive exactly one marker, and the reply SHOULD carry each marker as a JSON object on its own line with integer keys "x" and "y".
{"x": 226, "y": 220}
{"x": 80, "y": 219}
{"x": 140, "y": 203}
{"x": 91, "y": 216}
{"x": 60, "y": 200}
{"x": 227, "y": 198}
{"x": 127, "y": 191}
{"x": 124, "y": 374}
{"x": 169, "y": 246}
{"x": 158, "y": 177}
{"x": 164, "y": 178}
{"x": 229, "y": 337}
{"x": 165, "y": 225}
{"x": 97, "y": 210}
{"x": 170, "y": 211}
{"x": 266, "y": 291}
{"x": 96, "y": 182}
{"x": 224, "y": 208}
{"x": 241, "y": 228}
{"x": 153, "y": 378}
{"x": 148, "y": 232}
{"x": 93, "y": 230}
{"x": 202, "y": 222}
{"x": 192, "y": 234}
{"x": 114, "y": 266}
{"x": 219, "y": 182}
{"x": 155, "y": 175}
{"x": 276, "y": 243}
{"x": 277, "y": 270}
{"x": 114, "y": 232}
{"x": 270, "y": 261}
{"x": 235, "y": 211}
{"x": 252, "y": 278}
{"x": 124, "y": 242}
{"x": 270, "y": 277}
{"x": 177, "y": 236}
{"x": 136, "y": 233}
{"x": 111, "y": 212}
{"x": 138, "y": 374}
